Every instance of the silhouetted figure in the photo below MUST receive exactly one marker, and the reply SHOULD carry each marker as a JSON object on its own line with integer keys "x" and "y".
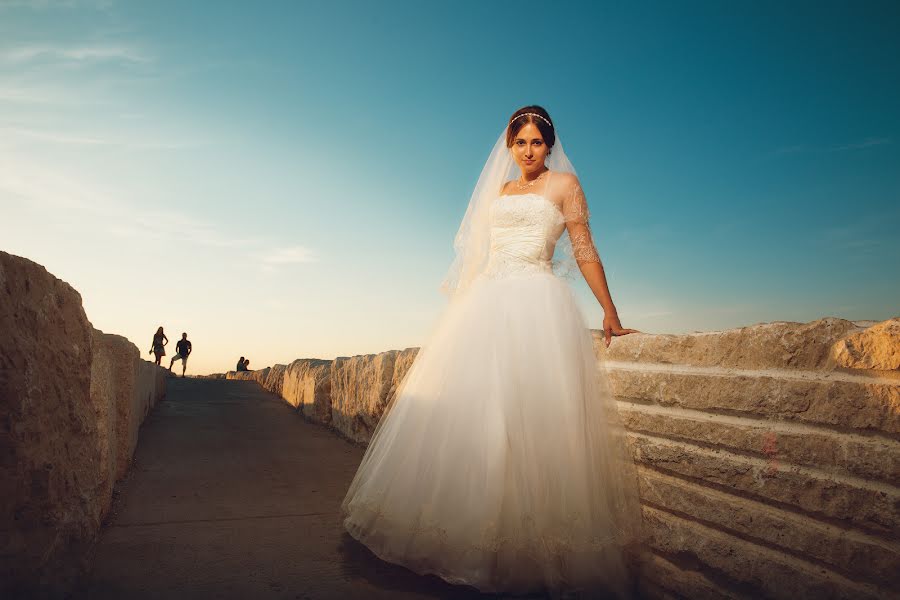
{"x": 246, "y": 364}
{"x": 240, "y": 365}
{"x": 182, "y": 351}
{"x": 159, "y": 345}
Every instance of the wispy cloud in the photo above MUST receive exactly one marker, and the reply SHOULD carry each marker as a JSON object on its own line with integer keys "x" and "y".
{"x": 181, "y": 227}
{"x": 126, "y": 141}
{"x": 289, "y": 256}
{"x": 866, "y": 143}
{"x": 52, "y": 75}
{"x": 49, "y": 189}
{"x": 55, "y": 138}
{"x": 30, "y": 94}
{"x": 80, "y": 53}
{"x": 55, "y": 4}
{"x": 92, "y": 208}
{"x": 858, "y": 238}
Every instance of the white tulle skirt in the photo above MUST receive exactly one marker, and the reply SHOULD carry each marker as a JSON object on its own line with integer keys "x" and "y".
{"x": 501, "y": 463}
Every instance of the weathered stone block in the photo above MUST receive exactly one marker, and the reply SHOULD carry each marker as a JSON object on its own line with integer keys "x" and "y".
{"x": 859, "y": 503}
{"x": 360, "y": 388}
{"x": 857, "y": 555}
{"x": 849, "y": 403}
{"x": 664, "y": 577}
{"x": 50, "y": 474}
{"x": 755, "y": 571}
{"x": 869, "y": 457}
{"x": 71, "y": 401}
{"x": 274, "y": 381}
{"x": 307, "y": 386}
{"x": 780, "y": 345}
{"x": 877, "y": 347}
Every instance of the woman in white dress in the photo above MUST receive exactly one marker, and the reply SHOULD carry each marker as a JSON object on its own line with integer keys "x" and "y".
{"x": 501, "y": 463}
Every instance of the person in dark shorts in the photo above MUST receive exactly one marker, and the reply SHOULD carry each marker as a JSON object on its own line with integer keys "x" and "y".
{"x": 182, "y": 351}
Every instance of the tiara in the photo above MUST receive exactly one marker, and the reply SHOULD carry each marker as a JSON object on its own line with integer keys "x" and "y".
{"x": 530, "y": 115}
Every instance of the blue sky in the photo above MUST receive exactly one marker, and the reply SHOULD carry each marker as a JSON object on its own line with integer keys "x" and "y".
{"x": 284, "y": 179}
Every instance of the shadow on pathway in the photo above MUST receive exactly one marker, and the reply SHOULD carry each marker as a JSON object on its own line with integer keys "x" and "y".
{"x": 233, "y": 495}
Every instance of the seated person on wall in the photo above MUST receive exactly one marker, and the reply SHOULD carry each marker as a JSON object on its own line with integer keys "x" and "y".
{"x": 246, "y": 364}
{"x": 182, "y": 351}
{"x": 240, "y": 365}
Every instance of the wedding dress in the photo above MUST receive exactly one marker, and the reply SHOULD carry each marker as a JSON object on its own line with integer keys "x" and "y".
{"x": 501, "y": 463}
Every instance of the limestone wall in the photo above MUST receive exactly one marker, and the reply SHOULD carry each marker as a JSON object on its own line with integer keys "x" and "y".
{"x": 124, "y": 388}
{"x": 71, "y": 401}
{"x": 769, "y": 467}
{"x": 259, "y": 376}
{"x": 769, "y": 455}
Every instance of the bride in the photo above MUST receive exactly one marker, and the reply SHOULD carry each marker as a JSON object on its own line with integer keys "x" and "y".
{"x": 500, "y": 463}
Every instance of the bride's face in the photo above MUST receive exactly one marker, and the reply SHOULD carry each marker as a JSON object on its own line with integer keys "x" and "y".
{"x": 529, "y": 150}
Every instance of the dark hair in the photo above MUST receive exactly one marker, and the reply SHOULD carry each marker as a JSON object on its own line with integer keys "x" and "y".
{"x": 519, "y": 119}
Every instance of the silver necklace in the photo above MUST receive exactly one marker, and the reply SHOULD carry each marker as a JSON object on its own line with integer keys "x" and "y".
{"x": 530, "y": 183}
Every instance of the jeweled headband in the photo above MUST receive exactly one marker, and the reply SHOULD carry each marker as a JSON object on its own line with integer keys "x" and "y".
{"x": 530, "y": 115}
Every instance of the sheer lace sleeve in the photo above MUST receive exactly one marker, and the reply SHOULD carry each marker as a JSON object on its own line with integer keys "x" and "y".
{"x": 575, "y": 212}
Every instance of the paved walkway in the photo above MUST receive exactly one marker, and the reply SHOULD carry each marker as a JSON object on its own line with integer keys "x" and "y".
{"x": 233, "y": 495}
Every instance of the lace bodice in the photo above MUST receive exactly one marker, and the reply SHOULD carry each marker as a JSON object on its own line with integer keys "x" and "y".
{"x": 525, "y": 229}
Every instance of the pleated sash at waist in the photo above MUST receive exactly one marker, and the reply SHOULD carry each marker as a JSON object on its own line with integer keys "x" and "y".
{"x": 516, "y": 251}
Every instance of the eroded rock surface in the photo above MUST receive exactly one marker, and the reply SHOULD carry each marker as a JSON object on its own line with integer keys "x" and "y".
{"x": 51, "y": 481}
{"x": 877, "y": 347}
{"x": 71, "y": 401}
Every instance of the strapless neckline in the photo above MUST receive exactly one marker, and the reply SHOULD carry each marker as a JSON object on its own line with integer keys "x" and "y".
{"x": 542, "y": 196}
{"x": 518, "y": 195}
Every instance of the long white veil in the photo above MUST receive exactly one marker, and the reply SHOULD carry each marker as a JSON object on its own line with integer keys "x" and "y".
{"x": 472, "y": 241}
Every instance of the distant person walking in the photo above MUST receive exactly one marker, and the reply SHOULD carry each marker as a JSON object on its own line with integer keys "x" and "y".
{"x": 182, "y": 350}
{"x": 240, "y": 365}
{"x": 159, "y": 345}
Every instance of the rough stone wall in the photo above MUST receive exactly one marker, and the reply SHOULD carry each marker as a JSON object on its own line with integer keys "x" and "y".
{"x": 274, "y": 381}
{"x": 349, "y": 394}
{"x": 49, "y": 456}
{"x": 259, "y": 375}
{"x": 105, "y": 392}
{"x": 307, "y": 387}
{"x": 63, "y": 387}
{"x": 767, "y": 468}
{"x": 769, "y": 455}
{"x": 359, "y": 392}
{"x": 126, "y": 388}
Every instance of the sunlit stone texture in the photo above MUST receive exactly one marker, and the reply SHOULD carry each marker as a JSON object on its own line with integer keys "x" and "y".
{"x": 71, "y": 401}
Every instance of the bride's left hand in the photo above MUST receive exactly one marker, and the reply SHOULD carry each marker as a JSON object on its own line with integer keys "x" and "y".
{"x": 612, "y": 326}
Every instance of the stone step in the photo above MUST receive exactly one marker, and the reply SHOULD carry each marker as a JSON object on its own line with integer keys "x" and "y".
{"x": 759, "y": 571}
{"x": 783, "y": 442}
{"x": 778, "y": 345}
{"x": 859, "y": 556}
{"x": 842, "y": 401}
{"x": 668, "y": 580}
{"x": 867, "y": 505}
